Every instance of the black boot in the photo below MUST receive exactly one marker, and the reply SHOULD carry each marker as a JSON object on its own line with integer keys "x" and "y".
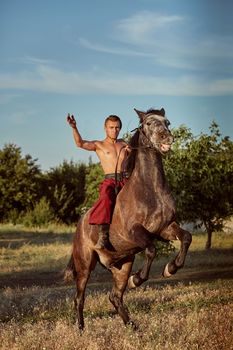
{"x": 103, "y": 237}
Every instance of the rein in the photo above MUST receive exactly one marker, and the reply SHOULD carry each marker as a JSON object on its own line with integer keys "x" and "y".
{"x": 133, "y": 148}
{"x": 116, "y": 180}
{"x": 139, "y": 129}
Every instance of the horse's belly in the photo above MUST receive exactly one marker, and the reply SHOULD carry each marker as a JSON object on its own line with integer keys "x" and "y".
{"x": 159, "y": 219}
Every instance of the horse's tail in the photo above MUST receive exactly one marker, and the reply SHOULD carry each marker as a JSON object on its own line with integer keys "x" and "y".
{"x": 70, "y": 272}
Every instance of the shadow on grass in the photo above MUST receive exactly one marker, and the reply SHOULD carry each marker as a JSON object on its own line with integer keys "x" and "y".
{"x": 101, "y": 278}
{"x": 14, "y": 240}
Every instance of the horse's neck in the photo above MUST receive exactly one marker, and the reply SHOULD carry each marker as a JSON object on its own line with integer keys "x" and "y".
{"x": 149, "y": 169}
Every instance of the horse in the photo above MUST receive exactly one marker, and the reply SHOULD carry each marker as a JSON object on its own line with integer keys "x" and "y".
{"x": 144, "y": 211}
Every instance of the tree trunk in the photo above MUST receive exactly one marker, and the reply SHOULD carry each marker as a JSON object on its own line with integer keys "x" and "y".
{"x": 209, "y": 238}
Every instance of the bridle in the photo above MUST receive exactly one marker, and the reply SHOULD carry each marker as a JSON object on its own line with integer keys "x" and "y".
{"x": 140, "y": 130}
{"x": 151, "y": 147}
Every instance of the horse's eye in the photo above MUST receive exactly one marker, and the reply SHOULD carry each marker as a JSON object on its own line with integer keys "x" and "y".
{"x": 148, "y": 123}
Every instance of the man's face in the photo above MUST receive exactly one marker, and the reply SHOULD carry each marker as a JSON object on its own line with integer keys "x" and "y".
{"x": 112, "y": 129}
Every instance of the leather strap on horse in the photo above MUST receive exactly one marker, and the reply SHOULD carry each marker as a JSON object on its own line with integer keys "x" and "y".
{"x": 116, "y": 177}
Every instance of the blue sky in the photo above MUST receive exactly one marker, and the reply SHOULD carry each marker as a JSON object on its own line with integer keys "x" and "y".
{"x": 93, "y": 58}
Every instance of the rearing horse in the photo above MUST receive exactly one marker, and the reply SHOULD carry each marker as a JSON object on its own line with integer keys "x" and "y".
{"x": 144, "y": 211}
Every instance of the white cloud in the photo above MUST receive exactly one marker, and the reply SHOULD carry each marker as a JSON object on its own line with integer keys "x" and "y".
{"x": 113, "y": 50}
{"x": 49, "y": 79}
{"x": 36, "y": 60}
{"x": 162, "y": 39}
{"x": 141, "y": 27}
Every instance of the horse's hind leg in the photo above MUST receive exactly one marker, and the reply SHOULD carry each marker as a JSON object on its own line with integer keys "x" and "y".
{"x": 143, "y": 274}
{"x": 174, "y": 232}
{"x": 120, "y": 275}
{"x": 79, "y": 298}
{"x": 83, "y": 270}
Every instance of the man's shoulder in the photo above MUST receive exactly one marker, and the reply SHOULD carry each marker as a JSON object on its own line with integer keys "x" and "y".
{"x": 100, "y": 144}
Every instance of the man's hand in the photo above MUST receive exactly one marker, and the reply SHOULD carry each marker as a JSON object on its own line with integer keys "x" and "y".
{"x": 71, "y": 120}
{"x": 128, "y": 148}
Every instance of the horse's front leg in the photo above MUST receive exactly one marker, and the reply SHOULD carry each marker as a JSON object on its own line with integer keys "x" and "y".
{"x": 174, "y": 232}
{"x": 142, "y": 239}
{"x": 143, "y": 274}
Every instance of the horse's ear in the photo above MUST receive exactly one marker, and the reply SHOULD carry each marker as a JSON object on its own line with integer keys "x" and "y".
{"x": 140, "y": 114}
{"x": 162, "y": 110}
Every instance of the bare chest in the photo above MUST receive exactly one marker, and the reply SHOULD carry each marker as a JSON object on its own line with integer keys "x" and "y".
{"x": 111, "y": 151}
{"x": 110, "y": 156}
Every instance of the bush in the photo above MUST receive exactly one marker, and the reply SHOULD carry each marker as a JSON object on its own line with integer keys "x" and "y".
{"x": 13, "y": 216}
{"x": 41, "y": 215}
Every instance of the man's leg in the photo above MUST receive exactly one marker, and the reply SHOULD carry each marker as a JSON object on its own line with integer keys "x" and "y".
{"x": 103, "y": 236}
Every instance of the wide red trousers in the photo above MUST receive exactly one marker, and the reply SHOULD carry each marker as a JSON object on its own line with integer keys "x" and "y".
{"x": 102, "y": 211}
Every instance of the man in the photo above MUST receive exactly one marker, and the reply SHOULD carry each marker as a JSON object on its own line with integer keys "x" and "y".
{"x": 112, "y": 152}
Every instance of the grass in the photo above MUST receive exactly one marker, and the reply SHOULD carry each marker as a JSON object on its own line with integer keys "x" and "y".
{"x": 192, "y": 310}
{"x": 191, "y": 317}
{"x": 27, "y": 250}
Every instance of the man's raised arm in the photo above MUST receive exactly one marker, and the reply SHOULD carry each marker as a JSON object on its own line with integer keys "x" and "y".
{"x": 87, "y": 145}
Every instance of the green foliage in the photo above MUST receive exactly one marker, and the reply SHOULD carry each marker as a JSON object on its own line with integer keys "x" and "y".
{"x": 40, "y": 215}
{"x": 19, "y": 178}
{"x": 127, "y": 136}
{"x": 163, "y": 248}
{"x": 200, "y": 174}
{"x": 64, "y": 188}
{"x": 93, "y": 178}
{"x": 13, "y": 216}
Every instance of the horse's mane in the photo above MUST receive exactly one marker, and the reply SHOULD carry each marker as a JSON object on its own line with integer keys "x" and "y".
{"x": 130, "y": 162}
{"x": 160, "y": 112}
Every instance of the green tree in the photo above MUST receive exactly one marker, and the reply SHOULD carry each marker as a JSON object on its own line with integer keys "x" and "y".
{"x": 94, "y": 175}
{"x": 19, "y": 181}
{"x": 64, "y": 188}
{"x": 200, "y": 174}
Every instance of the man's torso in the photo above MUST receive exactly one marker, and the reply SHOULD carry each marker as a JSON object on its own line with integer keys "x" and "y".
{"x": 111, "y": 154}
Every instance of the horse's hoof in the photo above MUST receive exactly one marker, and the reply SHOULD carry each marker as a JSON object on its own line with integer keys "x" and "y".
{"x": 131, "y": 284}
{"x": 166, "y": 272}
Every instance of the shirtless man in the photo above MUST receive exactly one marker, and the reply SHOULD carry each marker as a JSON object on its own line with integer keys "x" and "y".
{"x": 111, "y": 152}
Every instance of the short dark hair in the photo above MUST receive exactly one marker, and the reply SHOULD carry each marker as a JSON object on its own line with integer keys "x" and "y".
{"x": 113, "y": 118}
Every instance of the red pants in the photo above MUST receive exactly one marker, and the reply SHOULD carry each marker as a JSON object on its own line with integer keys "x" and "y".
{"x": 102, "y": 211}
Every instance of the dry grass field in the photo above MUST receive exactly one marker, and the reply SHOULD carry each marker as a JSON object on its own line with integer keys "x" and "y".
{"x": 191, "y": 310}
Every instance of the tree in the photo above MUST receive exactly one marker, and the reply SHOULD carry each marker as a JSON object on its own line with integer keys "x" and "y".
{"x": 200, "y": 174}
{"x": 93, "y": 179}
{"x": 64, "y": 188}
{"x": 19, "y": 179}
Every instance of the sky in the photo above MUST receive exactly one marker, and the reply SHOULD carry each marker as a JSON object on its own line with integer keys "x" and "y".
{"x": 93, "y": 58}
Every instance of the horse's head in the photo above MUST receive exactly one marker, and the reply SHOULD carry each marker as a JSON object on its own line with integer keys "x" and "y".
{"x": 154, "y": 130}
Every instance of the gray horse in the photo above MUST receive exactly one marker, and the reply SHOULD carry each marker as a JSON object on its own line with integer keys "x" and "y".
{"x": 144, "y": 211}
